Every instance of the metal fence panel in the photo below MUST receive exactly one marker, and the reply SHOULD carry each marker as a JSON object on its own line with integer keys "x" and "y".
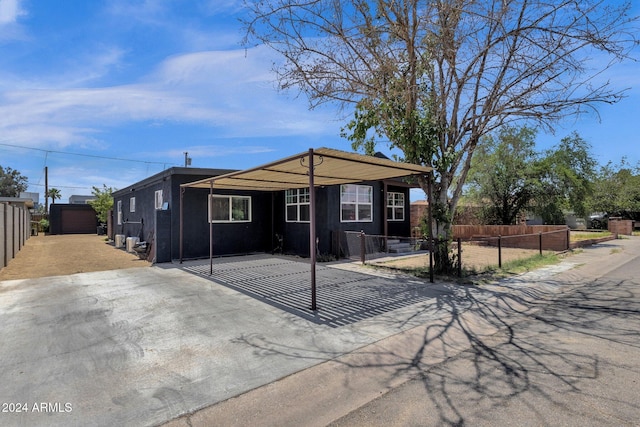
{"x": 3, "y": 236}
{"x": 14, "y": 231}
{"x": 9, "y": 232}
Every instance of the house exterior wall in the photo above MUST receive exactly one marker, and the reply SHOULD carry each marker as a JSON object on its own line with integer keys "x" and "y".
{"x": 258, "y": 235}
{"x": 400, "y": 228}
{"x": 228, "y": 238}
{"x": 141, "y": 221}
{"x": 328, "y": 222}
{"x": 162, "y": 236}
{"x": 163, "y": 223}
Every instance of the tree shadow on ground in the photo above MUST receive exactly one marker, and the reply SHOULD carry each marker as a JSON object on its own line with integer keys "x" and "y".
{"x": 511, "y": 341}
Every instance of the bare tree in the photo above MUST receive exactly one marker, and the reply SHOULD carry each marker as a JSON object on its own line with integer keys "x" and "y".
{"x": 433, "y": 76}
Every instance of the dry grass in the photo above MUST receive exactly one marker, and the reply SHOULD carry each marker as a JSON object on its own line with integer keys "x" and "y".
{"x": 588, "y": 235}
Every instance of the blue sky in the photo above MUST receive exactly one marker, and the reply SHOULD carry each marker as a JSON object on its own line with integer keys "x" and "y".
{"x": 112, "y": 92}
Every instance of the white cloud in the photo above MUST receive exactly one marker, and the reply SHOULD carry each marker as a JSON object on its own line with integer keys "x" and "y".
{"x": 94, "y": 66}
{"x": 213, "y": 7}
{"x": 209, "y": 151}
{"x": 82, "y": 69}
{"x": 147, "y": 11}
{"x": 196, "y": 39}
{"x": 100, "y": 106}
{"x": 231, "y": 91}
{"x": 9, "y": 11}
{"x": 237, "y": 66}
{"x": 241, "y": 83}
{"x": 10, "y": 29}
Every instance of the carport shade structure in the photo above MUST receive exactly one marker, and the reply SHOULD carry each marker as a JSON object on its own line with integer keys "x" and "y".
{"x": 320, "y": 167}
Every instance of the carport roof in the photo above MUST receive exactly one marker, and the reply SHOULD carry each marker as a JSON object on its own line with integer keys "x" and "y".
{"x": 331, "y": 167}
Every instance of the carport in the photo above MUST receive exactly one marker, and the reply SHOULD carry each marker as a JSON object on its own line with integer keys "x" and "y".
{"x": 320, "y": 167}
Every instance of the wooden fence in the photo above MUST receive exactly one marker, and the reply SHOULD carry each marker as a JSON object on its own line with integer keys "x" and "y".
{"x": 621, "y": 226}
{"x": 549, "y": 237}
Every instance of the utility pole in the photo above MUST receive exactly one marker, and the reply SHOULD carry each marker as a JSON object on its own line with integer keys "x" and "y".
{"x": 187, "y": 159}
{"x": 46, "y": 189}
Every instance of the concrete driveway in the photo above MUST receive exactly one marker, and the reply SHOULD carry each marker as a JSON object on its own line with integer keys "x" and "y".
{"x": 145, "y": 346}
{"x": 142, "y": 346}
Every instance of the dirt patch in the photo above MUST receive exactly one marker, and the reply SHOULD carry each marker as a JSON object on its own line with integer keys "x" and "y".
{"x": 473, "y": 257}
{"x": 57, "y": 255}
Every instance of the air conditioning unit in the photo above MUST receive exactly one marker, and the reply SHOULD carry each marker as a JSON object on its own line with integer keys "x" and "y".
{"x": 131, "y": 242}
{"x": 120, "y": 241}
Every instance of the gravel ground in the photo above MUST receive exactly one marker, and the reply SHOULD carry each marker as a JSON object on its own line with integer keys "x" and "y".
{"x": 57, "y": 255}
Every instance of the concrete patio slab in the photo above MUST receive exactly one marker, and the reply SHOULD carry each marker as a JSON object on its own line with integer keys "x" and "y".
{"x": 345, "y": 295}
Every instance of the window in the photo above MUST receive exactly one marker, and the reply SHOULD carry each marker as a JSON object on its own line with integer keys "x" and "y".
{"x": 395, "y": 206}
{"x": 119, "y": 212}
{"x": 132, "y": 204}
{"x": 297, "y": 205}
{"x": 356, "y": 203}
{"x": 229, "y": 208}
{"x": 158, "y": 199}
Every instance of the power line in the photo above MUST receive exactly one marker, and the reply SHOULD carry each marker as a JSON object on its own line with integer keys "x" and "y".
{"x": 58, "y": 186}
{"x": 86, "y": 155}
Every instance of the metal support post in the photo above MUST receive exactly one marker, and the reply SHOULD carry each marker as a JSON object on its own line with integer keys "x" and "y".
{"x": 540, "y": 242}
{"x": 459, "y": 257}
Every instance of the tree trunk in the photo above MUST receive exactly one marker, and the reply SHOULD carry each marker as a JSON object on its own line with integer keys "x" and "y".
{"x": 439, "y": 230}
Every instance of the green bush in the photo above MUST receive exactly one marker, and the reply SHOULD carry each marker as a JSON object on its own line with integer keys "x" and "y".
{"x": 44, "y": 225}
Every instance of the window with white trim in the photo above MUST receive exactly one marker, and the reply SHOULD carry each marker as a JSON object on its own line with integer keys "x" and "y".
{"x": 119, "y": 211}
{"x": 297, "y": 205}
{"x": 158, "y": 199}
{"x": 356, "y": 203}
{"x": 132, "y": 204}
{"x": 229, "y": 208}
{"x": 395, "y": 206}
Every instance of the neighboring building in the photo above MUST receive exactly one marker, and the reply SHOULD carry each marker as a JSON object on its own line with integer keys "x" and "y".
{"x": 33, "y": 196}
{"x": 246, "y": 221}
{"x": 80, "y": 200}
{"x": 72, "y": 219}
{"x": 20, "y": 202}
